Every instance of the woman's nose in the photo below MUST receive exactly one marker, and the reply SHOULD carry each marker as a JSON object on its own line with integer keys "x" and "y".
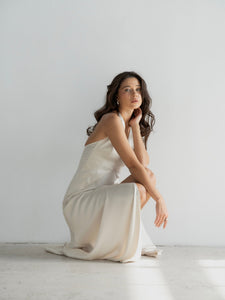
{"x": 135, "y": 92}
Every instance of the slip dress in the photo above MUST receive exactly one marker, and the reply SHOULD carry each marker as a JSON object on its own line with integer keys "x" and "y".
{"x": 103, "y": 216}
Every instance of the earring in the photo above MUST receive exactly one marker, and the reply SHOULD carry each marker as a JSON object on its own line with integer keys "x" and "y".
{"x": 117, "y": 102}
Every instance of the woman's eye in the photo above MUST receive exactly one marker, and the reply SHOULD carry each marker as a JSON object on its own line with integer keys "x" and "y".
{"x": 128, "y": 90}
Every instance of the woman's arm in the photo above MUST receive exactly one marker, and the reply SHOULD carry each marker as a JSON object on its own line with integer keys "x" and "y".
{"x": 139, "y": 147}
{"x": 115, "y": 131}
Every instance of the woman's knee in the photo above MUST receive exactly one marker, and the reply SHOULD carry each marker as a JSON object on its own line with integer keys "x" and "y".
{"x": 142, "y": 191}
{"x": 150, "y": 173}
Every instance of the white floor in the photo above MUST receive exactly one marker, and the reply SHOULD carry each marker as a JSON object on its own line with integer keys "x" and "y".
{"x": 28, "y": 272}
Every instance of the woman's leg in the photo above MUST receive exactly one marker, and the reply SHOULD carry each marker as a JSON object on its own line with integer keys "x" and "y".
{"x": 143, "y": 193}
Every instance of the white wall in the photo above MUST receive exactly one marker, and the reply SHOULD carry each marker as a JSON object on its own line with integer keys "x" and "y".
{"x": 57, "y": 58}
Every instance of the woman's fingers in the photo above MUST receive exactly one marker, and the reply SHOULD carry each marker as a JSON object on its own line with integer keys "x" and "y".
{"x": 161, "y": 213}
{"x": 159, "y": 221}
{"x": 165, "y": 223}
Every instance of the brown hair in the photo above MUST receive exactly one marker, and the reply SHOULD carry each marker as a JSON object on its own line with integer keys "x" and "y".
{"x": 111, "y": 104}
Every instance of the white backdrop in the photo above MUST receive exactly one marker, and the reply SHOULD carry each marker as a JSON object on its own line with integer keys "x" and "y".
{"x": 57, "y": 58}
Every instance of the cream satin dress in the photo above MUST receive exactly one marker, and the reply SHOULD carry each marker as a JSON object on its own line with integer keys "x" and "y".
{"x": 103, "y": 216}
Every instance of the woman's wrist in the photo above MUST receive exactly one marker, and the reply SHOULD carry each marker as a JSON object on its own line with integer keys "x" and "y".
{"x": 158, "y": 198}
{"x": 135, "y": 126}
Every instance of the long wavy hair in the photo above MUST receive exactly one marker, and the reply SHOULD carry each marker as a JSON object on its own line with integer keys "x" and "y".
{"x": 111, "y": 104}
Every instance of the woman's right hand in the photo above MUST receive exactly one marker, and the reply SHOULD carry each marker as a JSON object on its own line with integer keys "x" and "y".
{"x": 161, "y": 213}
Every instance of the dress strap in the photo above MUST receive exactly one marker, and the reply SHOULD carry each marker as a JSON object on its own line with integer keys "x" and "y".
{"x": 122, "y": 119}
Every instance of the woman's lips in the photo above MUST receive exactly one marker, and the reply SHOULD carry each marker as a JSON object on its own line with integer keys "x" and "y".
{"x": 134, "y": 101}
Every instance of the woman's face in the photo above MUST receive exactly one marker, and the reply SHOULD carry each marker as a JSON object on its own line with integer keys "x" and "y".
{"x": 129, "y": 93}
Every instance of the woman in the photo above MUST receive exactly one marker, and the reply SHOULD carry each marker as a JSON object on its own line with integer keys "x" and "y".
{"x": 103, "y": 214}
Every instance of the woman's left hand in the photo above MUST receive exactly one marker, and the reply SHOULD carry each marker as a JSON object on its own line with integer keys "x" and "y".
{"x": 138, "y": 115}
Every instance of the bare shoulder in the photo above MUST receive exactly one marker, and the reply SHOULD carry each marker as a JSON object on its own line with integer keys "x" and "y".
{"x": 114, "y": 129}
{"x": 109, "y": 120}
{"x": 108, "y": 117}
{"x": 101, "y": 129}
